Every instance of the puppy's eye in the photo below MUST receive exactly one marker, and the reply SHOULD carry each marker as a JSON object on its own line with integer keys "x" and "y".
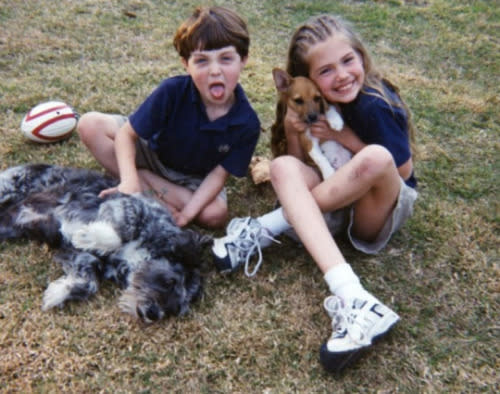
{"x": 317, "y": 99}
{"x": 298, "y": 101}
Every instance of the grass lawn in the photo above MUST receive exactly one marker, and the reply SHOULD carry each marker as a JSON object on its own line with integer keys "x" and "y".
{"x": 440, "y": 272}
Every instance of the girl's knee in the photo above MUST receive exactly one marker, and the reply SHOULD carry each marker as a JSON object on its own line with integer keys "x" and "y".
{"x": 282, "y": 166}
{"x": 374, "y": 160}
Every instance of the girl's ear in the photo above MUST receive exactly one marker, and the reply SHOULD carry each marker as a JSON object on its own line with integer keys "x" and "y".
{"x": 281, "y": 79}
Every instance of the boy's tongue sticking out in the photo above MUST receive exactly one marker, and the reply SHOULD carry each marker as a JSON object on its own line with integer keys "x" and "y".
{"x": 217, "y": 90}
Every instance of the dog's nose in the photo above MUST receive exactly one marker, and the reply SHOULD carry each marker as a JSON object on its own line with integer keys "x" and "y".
{"x": 311, "y": 118}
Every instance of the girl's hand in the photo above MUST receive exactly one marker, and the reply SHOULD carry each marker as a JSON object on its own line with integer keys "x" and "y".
{"x": 321, "y": 129}
{"x": 293, "y": 123}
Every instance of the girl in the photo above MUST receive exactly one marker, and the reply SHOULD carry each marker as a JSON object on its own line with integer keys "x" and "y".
{"x": 376, "y": 187}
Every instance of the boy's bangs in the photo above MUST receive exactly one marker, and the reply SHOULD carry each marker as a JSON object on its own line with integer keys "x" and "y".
{"x": 212, "y": 37}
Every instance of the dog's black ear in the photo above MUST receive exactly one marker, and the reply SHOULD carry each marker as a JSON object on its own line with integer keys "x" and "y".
{"x": 189, "y": 246}
{"x": 281, "y": 79}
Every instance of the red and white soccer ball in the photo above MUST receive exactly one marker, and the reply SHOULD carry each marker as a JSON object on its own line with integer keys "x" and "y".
{"x": 49, "y": 122}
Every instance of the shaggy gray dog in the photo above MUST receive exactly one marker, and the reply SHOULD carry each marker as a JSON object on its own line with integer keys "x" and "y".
{"x": 131, "y": 240}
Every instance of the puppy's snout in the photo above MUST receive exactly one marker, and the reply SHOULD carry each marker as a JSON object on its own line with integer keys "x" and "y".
{"x": 312, "y": 117}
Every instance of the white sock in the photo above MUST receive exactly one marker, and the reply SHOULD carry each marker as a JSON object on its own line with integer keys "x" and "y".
{"x": 275, "y": 222}
{"x": 344, "y": 283}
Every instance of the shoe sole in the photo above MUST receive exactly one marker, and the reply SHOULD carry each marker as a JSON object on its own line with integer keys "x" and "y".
{"x": 336, "y": 362}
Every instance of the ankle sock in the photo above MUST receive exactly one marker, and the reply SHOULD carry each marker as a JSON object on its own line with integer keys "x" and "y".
{"x": 344, "y": 283}
{"x": 274, "y": 221}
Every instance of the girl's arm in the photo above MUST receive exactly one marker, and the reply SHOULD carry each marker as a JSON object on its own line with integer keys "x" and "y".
{"x": 351, "y": 141}
{"x": 205, "y": 194}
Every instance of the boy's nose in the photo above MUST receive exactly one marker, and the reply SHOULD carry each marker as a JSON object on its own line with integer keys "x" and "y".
{"x": 214, "y": 68}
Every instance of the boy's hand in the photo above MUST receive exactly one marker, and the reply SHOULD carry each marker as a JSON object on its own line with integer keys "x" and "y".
{"x": 122, "y": 188}
{"x": 181, "y": 219}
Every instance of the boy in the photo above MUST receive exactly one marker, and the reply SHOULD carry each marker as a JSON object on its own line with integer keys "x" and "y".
{"x": 194, "y": 130}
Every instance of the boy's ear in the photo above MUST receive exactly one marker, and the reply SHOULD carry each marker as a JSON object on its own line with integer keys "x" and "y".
{"x": 244, "y": 61}
{"x": 184, "y": 62}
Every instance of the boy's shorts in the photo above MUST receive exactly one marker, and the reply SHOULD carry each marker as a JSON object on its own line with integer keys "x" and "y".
{"x": 147, "y": 159}
{"x": 342, "y": 219}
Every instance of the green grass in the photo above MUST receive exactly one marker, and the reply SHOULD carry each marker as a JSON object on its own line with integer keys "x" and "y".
{"x": 263, "y": 335}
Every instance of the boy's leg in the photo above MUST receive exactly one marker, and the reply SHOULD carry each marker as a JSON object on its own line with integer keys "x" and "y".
{"x": 97, "y": 132}
{"x": 175, "y": 197}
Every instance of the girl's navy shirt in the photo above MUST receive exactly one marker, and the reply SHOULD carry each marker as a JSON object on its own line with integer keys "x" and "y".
{"x": 376, "y": 122}
{"x": 174, "y": 122}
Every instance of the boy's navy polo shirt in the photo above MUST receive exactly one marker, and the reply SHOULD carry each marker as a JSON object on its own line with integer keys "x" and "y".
{"x": 174, "y": 122}
{"x": 376, "y": 122}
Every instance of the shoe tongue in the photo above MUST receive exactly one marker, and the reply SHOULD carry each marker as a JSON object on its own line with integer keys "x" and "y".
{"x": 358, "y": 304}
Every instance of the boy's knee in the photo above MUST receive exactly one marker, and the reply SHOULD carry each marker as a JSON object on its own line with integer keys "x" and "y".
{"x": 214, "y": 216}
{"x": 87, "y": 124}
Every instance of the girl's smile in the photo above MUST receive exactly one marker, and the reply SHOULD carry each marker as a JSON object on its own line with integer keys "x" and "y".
{"x": 337, "y": 69}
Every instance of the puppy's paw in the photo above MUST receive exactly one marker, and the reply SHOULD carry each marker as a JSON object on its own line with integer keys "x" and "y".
{"x": 334, "y": 119}
{"x": 96, "y": 236}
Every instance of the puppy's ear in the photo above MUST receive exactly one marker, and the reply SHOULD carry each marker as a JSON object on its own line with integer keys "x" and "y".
{"x": 282, "y": 79}
{"x": 324, "y": 105}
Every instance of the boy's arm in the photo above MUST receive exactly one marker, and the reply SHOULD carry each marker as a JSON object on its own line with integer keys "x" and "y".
{"x": 125, "y": 141}
{"x": 204, "y": 195}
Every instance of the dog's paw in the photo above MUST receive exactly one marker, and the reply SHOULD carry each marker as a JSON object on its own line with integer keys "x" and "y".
{"x": 334, "y": 119}
{"x": 96, "y": 236}
{"x": 57, "y": 292}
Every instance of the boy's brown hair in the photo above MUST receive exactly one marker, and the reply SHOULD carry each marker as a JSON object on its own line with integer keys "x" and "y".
{"x": 212, "y": 28}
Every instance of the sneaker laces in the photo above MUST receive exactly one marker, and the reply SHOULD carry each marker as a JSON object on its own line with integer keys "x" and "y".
{"x": 247, "y": 238}
{"x": 348, "y": 318}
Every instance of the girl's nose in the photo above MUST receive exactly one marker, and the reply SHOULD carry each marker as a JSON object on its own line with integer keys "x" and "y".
{"x": 341, "y": 73}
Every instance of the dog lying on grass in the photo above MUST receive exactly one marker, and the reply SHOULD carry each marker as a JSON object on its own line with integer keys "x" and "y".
{"x": 302, "y": 95}
{"x": 131, "y": 240}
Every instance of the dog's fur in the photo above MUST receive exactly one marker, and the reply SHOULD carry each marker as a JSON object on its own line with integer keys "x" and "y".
{"x": 303, "y": 96}
{"x": 132, "y": 240}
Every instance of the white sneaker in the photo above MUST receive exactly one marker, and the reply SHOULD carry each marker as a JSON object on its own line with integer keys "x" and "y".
{"x": 245, "y": 237}
{"x": 356, "y": 325}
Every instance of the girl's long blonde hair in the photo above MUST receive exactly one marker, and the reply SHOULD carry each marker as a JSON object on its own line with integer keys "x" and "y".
{"x": 319, "y": 29}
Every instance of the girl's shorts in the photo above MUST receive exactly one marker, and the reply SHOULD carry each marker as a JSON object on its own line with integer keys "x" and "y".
{"x": 342, "y": 219}
{"x": 147, "y": 159}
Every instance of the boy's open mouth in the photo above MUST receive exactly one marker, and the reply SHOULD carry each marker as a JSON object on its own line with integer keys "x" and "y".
{"x": 217, "y": 90}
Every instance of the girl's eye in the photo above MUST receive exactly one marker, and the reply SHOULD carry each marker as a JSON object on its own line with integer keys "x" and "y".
{"x": 349, "y": 59}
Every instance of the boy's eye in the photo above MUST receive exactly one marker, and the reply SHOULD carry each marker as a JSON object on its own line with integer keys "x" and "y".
{"x": 199, "y": 60}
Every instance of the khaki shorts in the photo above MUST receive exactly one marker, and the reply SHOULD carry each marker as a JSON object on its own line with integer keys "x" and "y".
{"x": 145, "y": 158}
{"x": 343, "y": 219}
